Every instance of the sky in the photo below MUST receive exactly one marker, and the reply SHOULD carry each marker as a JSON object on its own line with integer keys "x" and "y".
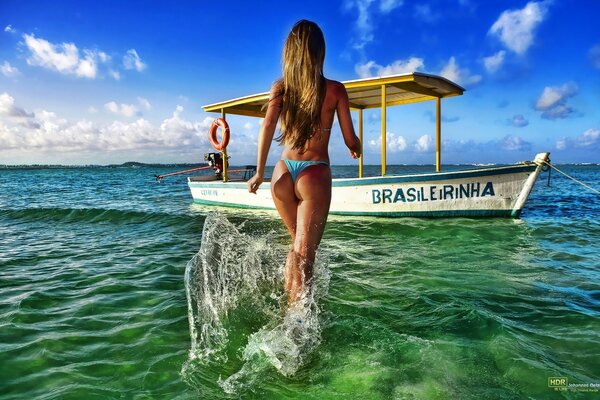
{"x": 113, "y": 81}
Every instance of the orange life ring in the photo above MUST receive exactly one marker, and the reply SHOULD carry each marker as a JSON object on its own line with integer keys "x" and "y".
{"x": 212, "y": 134}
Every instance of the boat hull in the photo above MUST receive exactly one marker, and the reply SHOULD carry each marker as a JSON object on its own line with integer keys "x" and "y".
{"x": 486, "y": 192}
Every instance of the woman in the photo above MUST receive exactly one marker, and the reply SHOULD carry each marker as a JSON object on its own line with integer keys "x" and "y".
{"x": 304, "y": 102}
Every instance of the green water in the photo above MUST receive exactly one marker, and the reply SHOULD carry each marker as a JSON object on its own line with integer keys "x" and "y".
{"x": 93, "y": 299}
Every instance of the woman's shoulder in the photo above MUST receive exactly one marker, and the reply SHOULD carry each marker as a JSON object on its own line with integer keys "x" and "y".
{"x": 336, "y": 87}
{"x": 277, "y": 89}
{"x": 277, "y": 85}
{"x": 334, "y": 84}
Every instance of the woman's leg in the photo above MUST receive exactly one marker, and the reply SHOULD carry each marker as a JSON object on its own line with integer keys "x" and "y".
{"x": 284, "y": 197}
{"x": 303, "y": 207}
{"x": 313, "y": 189}
{"x": 286, "y": 202}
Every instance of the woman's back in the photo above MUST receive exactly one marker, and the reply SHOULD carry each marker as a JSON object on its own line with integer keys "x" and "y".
{"x": 316, "y": 147}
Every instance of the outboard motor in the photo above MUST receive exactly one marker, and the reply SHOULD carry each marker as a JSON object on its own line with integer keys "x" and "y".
{"x": 215, "y": 160}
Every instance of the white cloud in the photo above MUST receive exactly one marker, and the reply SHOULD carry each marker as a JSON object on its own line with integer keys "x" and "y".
{"x": 462, "y": 76}
{"x": 144, "y": 103}
{"x": 489, "y": 149}
{"x": 494, "y": 62}
{"x": 8, "y": 108}
{"x": 514, "y": 143}
{"x": 385, "y": 6}
{"x": 68, "y": 59}
{"x": 50, "y": 123}
{"x": 558, "y": 112}
{"x": 178, "y": 132}
{"x": 554, "y": 95}
{"x": 515, "y": 28}
{"x": 63, "y": 57}
{"x": 594, "y": 55}
{"x": 424, "y": 144}
{"x": 364, "y": 24}
{"x": 9, "y": 29}
{"x": 561, "y": 144}
{"x": 102, "y": 56}
{"x": 364, "y": 70}
{"x": 132, "y": 60}
{"x": 552, "y": 101}
{"x": 375, "y": 144}
{"x": 87, "y": 66}
{"x": 116, "y": 75}
{"x": 588, "y": 140}
{"x": 371, "y": 68}
{"x": 47, "y": 131}
{"x": 395, "y": 143}
{"x": 126, "y": 110}
{"x": 8, "y": 70}
{"x": 92, "y": 110}
{"x": 16, "y": 115}
{"x": 519, "y": 121}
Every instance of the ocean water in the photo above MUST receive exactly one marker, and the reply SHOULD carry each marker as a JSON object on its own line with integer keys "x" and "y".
{"x": 115, "y": 286}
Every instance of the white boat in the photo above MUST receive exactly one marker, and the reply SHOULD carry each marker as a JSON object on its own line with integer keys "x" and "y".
{"x": 486, "y": 192}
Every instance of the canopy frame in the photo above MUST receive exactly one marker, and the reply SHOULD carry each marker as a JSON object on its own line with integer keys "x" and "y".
{"x": 376, "y": 92}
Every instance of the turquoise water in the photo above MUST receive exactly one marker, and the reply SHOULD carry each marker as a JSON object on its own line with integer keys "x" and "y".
{"x": 93, "y": 299}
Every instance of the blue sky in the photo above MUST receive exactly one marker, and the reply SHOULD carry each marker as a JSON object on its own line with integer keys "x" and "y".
{"x": 109, "y": 82}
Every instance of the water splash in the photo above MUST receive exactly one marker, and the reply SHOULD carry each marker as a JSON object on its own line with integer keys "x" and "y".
{"x": 286, "y": 343}
{"x": 235, "y": 274}
{"x": 230, "y": 268}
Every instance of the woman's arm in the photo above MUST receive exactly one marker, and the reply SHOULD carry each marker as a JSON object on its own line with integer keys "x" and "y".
{"x": 265, "y": 137}
{"x": 345, "y": 120}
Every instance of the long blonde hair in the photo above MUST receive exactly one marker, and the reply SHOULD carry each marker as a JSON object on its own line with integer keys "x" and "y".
{"x": 303, "y": 84}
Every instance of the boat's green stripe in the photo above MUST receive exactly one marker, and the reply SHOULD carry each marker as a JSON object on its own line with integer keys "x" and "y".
{"x": 233, "y": 205}
{"x": 420, "y": 214}
{"x": 437, "y": 214}
{"x": 221, "y": 185}
{"x": 390, "y": 179}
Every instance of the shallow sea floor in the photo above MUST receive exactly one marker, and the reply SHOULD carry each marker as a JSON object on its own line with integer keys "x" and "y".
{"x": 93, "y": 300}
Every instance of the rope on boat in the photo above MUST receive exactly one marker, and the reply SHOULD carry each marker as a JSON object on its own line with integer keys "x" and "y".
{"x": 240, "y": 170}
{"x": 570, "y": 177}
{"x": 160, "y": 177}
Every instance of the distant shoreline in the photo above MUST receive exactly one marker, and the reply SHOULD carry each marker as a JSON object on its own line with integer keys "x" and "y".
{"x": 129, "y": 164}
{"x": 135, "y": 164}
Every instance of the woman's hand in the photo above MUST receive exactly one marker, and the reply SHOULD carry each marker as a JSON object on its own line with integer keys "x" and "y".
{"x": 254, "y": 183}
{"x": 355, "y": 154}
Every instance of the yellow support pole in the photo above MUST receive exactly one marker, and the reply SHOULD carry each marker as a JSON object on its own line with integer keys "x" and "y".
{"x": 438, "y": 134}
{"x": 360, "y": 137}
{"x": 383, "y": 130}
{"x": 224, "y": 155}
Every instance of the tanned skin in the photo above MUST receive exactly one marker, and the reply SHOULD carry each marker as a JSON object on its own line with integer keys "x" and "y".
{"x": 304, "y": 205}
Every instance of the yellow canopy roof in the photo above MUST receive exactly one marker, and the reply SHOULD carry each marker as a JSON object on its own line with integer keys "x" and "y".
{"x": 363, "y": 93}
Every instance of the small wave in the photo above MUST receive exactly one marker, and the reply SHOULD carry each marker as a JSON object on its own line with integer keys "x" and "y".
{"x": 90, "y": 215}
